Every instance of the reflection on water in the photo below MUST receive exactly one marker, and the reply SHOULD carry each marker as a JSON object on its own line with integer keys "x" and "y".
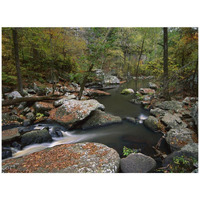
{"x": 117, "y": 135}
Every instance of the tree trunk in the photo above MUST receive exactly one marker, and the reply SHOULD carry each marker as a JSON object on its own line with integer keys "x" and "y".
{"x": 138, "y": 64}
{"x": 84, "y": 82}
{"x": 29, "y": 99}
{"x": 16, "y": 50}
{"x": 165, "y": 58}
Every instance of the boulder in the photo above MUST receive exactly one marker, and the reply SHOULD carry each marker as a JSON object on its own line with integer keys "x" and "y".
{"x": 189, "y": 100}
{"x": 61, "y": 101}
{"x": 74, "y": 111}
{"x": 99, "y": 118}
{"x": 6, "y": 153}
{"x": 175, "y": 106}
{"x": 127, "y": 91}
{"x": 153, "y": 86}
{"x": 157, "y": 112}
{"x": 188, "y": 151}
{"x": 55, "y": 132}
{"x": 41, "y": 107}
{"x": 9, "y": 118}
{"x": 135, "y": 101}
{"x": 35, "y": 137}
{"x": 194, "y": 113}
{"x": 109, "y": 80}
{"x": 177, "y": 138}
{"x": 146, "y": 91}
{"x": 66, "y": 158}
{"x": 173, "y": 121}
{"x": 14, "y": 95}
{"x": 137, "y": 163}
{"x": 152, "y": 123}
{"x": 30, "y": 116}
{"x": 131, "y": 119}
{"x": 10, "y": 135}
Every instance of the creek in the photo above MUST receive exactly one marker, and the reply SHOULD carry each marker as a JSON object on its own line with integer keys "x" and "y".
{"x": 135, "y": 136}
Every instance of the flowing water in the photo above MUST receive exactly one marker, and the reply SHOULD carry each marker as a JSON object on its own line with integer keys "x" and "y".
{"x": 117, "y": 136}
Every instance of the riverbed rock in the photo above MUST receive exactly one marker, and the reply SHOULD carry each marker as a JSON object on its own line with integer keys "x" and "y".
{"x": 152, "y": 123}
{"x": 41, "y": 107}
{"x": 10, "y": 135}
{"x": 146, "y": 91}
{"x": 109, "y": 80}
{"x": 173, "y": 121}
{"x": 175, "y": 106}
{"x": 153, "y": 86}
{"x": 14, "y": 95}
{"x": 9, "y": 118}
{"x": 6, "y": 153}
{"x": 137, "y": 163}
{"x": 131, "y": 119}
{"x": 157, "y": 112}
{"x": 135, "y": 101}
{"x": 67, "y": 158}
{"x": 35, "y": 137}
{"x": 177, "y": 138}
{"x": 99, "y": 118}
{"x": 188, "y": 151}
{"x": 60, "y": 102}
{"x": 74, "y": 111}
{"x": 127, "y": 91}
{"x": 30, "y": 116}
{"x": 194, "y": 113}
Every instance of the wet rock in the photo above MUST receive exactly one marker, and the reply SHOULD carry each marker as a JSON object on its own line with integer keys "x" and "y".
{"x": 74, "y": 111}
{"x": 16, "y": 145}
{"x": 146, "y": 91}
{"x": 177, "y": 138}
{"x": 41, "y": 107}
{"x": 173, "y": 121}
{"x": 10, "y": 135}
{"x": 35, "y": 137}
{"x": 153, "y": 86}
{"x": 27, "y": 122}
{"x": 144, "y": 103}
{"x": 135, "y": 101}
{"x": 55, "y": 132}
{"x": 6, "y": 153}
{"x": 131, "y": 119}
{"x": 67, "y": 158}
{"x": 157, "y": 112}
{"x": 30, "y": 116}
{"x": 137, "y": 163}
{"x": 175, "y": 106}
{"x": 14, "y": 95}
{"x": 99, "y": 118}
{"x": 152, "y": 123}
{"x": 109, "y": 80}
{"x": 194, "y": 113}
{"x": 127, "y": 91}
{"x": 23, "y": 130}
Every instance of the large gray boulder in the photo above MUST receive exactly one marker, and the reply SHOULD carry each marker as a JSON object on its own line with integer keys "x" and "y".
{"x": 157, "y": 112}
{"x": 99, "y": 118}
{"x": 74, "y": 111}
{"x": 175, "y": 106}
{"x": 137, "y": 163}
{"x": 109, "y": 80}
{"x": 153, "y": 86}
{"x": 14, "y": 95}
{"x": 152, "y": 123}
{"x": 173, "y": 121}
{"x": 177, "y": 138}
{"x": 35, "y": 137}
{"x": 67, "y": 158}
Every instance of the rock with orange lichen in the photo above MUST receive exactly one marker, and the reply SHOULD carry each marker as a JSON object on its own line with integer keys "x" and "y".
{"x": 74, "y": 111}
{"x": 67, "y": 158}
